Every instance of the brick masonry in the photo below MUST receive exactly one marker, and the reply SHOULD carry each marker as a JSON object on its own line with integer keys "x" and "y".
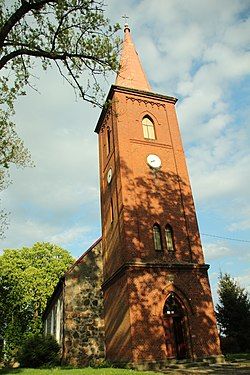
{"x": 137, "y": 278}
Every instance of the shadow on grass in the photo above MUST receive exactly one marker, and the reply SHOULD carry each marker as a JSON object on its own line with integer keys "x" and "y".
{"x": 239, "y": 357}
{"x": 7, "y": 370}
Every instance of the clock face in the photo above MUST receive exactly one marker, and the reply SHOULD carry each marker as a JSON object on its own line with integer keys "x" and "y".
{"x": 154, "y": 161}
{"x": 109, "y": 175}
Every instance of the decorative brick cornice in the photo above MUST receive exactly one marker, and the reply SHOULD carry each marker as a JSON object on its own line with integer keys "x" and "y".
{"x": 137, "y": 95}
{"x": 144, "y": 101}
{"x": 152, "y": 265}
{"x": 145, "y": 94}
{"x": 150, "y": 143}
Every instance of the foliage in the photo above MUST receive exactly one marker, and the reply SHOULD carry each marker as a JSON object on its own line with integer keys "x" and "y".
{"x": 27, "y": 279}
{"x": 72, "y": 35}
{"x": 233, "y": 315}
{"x": 38, "y": 350}
{"x": 3, "y": 222}
{"x": 12, "y": 151}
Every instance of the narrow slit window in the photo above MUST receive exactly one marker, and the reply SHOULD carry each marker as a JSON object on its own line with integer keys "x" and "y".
{"x": 148, "y": 128}
{"x": 111, "y": 211}
{"x": 169, "y": 237}
{"x": 157, "y": 237}
{"x": 108, "y": 141}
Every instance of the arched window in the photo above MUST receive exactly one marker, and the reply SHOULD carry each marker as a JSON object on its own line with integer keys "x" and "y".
{"x": 172, "y": 306}
{"x": 157, "y": 237}
{"x": 169, "y": 237}
{"x": 148, "y": 128}
{"x": 108, "y": 141}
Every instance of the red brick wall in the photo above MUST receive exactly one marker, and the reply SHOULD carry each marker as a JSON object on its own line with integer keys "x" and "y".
{"x": 117, "y": 321}
{"x": 142, "y": 197}
{"x": 148, "y": 291}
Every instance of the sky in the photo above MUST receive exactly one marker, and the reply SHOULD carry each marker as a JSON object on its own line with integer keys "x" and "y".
{"x": 197, "y": 51}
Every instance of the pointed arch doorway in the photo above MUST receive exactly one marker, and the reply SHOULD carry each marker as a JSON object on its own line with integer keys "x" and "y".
{"x": 174, "y": 327}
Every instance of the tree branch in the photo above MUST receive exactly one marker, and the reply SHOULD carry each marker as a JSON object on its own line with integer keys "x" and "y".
{"x": 86, "y": 97}
{"x": 19, "y": 14}
{"x": 48, "y": 55}
{"x": 64, "y": 16}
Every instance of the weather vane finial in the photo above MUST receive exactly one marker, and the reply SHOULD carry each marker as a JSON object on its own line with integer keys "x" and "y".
{"x": 126, "y": 22}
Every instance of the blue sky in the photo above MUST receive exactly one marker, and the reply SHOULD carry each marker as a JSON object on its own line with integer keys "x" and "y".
{"x": 195, "y": 50}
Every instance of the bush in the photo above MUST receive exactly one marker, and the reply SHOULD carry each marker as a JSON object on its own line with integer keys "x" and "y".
{"x": 38, "y": 350}
{"x": 229, "y": 345}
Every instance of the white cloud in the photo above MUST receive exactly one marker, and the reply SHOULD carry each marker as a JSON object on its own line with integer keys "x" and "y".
{"x": 216, "y": 250}
{"x": 26, "y": 232}
{"x": 238, "y": 35}
{"x": 69, "y": 235}
{"x": 243, "y": 222}
{"x": 229, "y": 63}
{"x": 240, "y": 225}
{"x": 244, "y": 280}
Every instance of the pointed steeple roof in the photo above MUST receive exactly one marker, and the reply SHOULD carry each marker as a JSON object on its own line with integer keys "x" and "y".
{"x": 131, "y": 73}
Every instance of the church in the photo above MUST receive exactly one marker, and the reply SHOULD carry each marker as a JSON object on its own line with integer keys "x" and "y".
{"x": 140, "y": 295}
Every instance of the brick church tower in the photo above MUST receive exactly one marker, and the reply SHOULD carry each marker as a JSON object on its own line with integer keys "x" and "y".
{"x": 157, "y": 297}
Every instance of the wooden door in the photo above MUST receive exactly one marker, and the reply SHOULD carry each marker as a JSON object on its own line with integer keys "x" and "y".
{"x": 169, "y": 337}
{"x": 180, "y": 345}
{"x": 174, "y": 327}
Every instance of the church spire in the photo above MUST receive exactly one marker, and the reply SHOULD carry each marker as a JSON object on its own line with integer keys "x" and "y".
{"x": 131, "y": 73}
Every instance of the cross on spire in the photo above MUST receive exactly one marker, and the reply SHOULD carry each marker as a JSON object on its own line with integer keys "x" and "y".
{"x": 125, "y": 17}
{"x": 126, "y": 27}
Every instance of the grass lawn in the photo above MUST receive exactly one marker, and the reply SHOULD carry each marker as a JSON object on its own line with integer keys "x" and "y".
{"x": 239, "y": 357}
{"x": 82, "y": 371}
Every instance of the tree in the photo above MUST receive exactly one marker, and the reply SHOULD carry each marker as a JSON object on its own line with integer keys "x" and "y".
{"x": 28, "y": 277}
{"x": 12, "y": 150}
{"x": 73, "y": 35}
{"x": 233, "y": 314}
